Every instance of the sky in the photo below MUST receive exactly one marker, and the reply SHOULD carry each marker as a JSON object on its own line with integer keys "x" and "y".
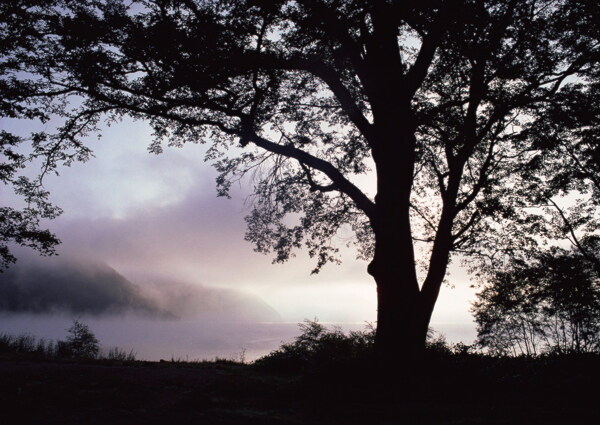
{"x": 156, "y": 221}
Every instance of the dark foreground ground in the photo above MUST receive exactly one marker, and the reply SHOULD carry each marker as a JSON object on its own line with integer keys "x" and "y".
{"x": 451, "y": 391}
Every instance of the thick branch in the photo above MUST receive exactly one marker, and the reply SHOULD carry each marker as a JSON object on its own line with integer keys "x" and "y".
{"x": 417, "y": 73}
{"x": 342, "y": 183}
{"x": 342, "y": 94}
{"x": 338, "y": 31}
{"x": 314, "y": 186}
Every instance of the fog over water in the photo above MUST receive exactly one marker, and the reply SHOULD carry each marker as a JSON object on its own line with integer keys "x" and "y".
{"x": 155, "y": 339}
{"x": 157, "y": 318}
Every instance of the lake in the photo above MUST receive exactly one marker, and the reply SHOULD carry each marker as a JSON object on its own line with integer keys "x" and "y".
{"x": 153, "y": 339}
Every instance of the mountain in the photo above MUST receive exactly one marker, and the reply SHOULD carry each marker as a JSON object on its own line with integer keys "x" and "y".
{"x": 84, "y": 286}
{"x": 81, "y": 287}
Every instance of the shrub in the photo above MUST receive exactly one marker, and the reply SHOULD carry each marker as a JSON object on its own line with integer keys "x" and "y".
{"x": 25, "y": 344}
{"x": 82, "y": 343}
{"x": 318, "y": 346}
{"x": 436, "y": 343}
{"x": 6, "y": 343}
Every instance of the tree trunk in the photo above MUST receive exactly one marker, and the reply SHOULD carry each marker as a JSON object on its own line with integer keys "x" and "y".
{"x": 401, "y": 322}
{"x": 404, "y": 309}
{"x": 402, "y": 319}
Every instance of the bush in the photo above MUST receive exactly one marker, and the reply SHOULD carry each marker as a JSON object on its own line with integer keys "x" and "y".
{"x": 318, "y": 346}
{"x": 436, "y": 343}
{"x": 82, "y": 343}
{"x": 6, "y": 343}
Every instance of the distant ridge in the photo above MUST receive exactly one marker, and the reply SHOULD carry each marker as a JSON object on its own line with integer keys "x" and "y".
{"x": 84, "y": 286}
{"x": 80, "y": 287}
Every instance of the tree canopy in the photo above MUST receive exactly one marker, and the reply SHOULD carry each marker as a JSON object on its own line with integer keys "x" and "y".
{"x": 466, "y": 113}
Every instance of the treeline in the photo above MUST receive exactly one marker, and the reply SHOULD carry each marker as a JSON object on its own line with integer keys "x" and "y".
{"x": 80, "y": 343}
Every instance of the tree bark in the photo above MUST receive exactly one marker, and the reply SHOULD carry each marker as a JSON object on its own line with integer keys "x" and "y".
{"x": 401, "y": 322}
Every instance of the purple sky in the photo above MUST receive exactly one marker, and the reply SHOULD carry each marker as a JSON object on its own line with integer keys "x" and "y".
{"x": 157, "y": 217}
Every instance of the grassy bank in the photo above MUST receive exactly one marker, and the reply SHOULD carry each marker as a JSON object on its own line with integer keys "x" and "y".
{"x": 323, "y": 377}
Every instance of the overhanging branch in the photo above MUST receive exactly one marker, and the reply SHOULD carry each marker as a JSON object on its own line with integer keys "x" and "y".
{"x": 341, "y": 183}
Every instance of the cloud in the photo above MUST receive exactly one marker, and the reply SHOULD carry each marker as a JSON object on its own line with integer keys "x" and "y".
{"x": 83, "y": 286}
{"x": 194, "y": 301}
{"x": 79, "y": 287}
{"x": 123, "y": 176}
{"x": 199, "y": 239}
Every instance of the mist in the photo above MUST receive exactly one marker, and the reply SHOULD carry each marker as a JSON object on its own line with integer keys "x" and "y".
{"x": 83, "y": 286}
{"x": 76, "y": 287}
{"x": 153, "y": 339}
{"x": 156, "y": 317}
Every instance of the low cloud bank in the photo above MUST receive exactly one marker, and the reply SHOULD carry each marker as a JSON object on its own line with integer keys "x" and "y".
{"x": 79, "y": 287}
{"x": 193, "y": 301}
{"x": 56, "y": 285}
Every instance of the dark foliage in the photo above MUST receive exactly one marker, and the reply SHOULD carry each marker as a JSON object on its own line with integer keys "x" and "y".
{"x": 319, "y": 347}
{"x": 81, "y": 342}
{"x": 550, "y": 303}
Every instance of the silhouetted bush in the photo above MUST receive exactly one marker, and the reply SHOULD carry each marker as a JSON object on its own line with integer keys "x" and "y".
{"x": 21, "y": 344}
{"x": 436, "y": 343}
{"x": 319, "y": 346}
{"x": 116, "y": 353}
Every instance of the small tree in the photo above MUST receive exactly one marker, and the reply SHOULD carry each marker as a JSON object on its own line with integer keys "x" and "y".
{"x": 506, "y": 314}
{"x": 81, "y": 341}
{"x": 551, "y": 304}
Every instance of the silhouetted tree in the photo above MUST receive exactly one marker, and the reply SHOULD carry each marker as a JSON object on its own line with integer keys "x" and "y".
{"x": 549, "y": 304}
{"x": 438, "y": 98}
{"x": 81, "y": 341}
